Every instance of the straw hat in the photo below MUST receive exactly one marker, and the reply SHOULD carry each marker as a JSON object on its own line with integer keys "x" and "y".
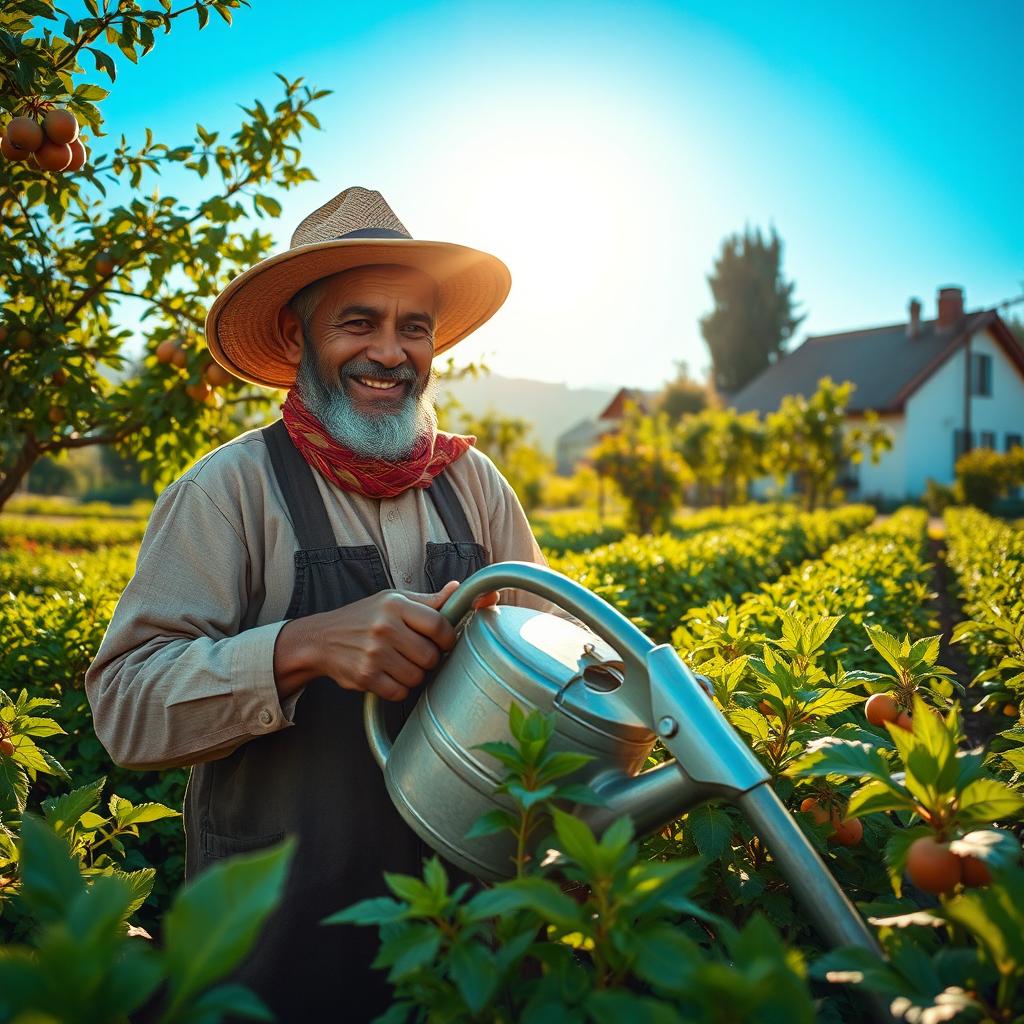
{"x": 355, "y": 228}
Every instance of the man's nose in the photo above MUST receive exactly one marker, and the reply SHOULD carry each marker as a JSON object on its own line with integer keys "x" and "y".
{"x": 386, "y": 346}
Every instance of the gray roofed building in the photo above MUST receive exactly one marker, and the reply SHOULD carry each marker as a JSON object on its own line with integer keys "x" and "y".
{"x": 886, "y": 364}
{"x": 941, "y": 386}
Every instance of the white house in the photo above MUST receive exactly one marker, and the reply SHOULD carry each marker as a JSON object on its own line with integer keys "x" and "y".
{"x": 941, "y": 387}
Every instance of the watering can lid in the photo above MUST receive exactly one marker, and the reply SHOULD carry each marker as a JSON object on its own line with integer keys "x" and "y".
{"x": 571, "y": 669}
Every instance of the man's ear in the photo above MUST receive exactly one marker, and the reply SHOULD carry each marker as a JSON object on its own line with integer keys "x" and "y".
{"x": 289, "y": 327}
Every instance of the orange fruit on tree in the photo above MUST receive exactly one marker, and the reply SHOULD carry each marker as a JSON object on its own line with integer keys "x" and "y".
{"x": 847, "y": 833}
{"x": 198, "y": 392}
{"x": 165, "y": 350}
{"x": 932, "y": 866}
{"x": 55, "y": 414}
{"x": 1011, "y": 710}
{"x": 10, "y": 151}
{"x": 216, "y": 376}
{"x": 814, "y": 808}
{"x": 179, "y": 357}
{"x": 52, "y": 156}
{"x": 60, "y": 378}
{"x": 6, "y": 747}
{"x": 60, "y": 126}
{"x": 904, "y": 721}
{"x": 105, "y": 264}
{"x": 79, "y": 154}
{"x": 975, "y": 871}
{"x": 24, "y": 133}
{"x": 880, "y": 707}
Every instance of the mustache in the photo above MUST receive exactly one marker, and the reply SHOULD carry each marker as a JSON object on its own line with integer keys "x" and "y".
{"x": 403, "y": 373}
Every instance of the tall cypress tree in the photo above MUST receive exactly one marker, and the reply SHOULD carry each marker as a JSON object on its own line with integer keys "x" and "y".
{"x": 753, "y": 315}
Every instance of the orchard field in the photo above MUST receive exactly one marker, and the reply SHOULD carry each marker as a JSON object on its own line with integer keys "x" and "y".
{"x": 875, "y": 665}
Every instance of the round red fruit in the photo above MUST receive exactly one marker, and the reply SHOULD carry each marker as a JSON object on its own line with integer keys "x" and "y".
{"x": 932, "y": 866}
{"x": 880, "y": 707}
{"x": 61, "y": 126}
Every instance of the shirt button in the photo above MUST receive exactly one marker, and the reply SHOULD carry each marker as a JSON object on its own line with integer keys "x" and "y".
{"x": 392, "y": 515}
{"x": 266, "y": 716}
{"x": 407, "y": 578}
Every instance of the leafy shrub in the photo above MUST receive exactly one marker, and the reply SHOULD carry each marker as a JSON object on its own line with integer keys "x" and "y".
{"x": 984, "y": 475}
{"x": 656, "y": 580}
{"x": 633, "y": 946}
{"x": 881, "y": 577}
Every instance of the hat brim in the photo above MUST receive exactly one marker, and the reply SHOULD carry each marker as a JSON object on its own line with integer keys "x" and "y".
{"x": 241, "y": 326}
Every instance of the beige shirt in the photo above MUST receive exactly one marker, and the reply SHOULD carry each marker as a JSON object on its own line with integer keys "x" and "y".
{"x": 185, "y": 671}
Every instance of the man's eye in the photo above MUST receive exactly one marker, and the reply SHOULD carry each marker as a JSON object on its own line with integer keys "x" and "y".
{"x": 349, "y": 323}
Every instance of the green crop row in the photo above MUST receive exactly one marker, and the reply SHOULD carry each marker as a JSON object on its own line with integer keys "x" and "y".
{"x": 68, "y": 534}
{"x": 572, "y": 531}
{"x": 987, "y": 557}
{"x": 880, "y": 577}
{"x": 656, "y": 580}
{"x": 41, "y": 505}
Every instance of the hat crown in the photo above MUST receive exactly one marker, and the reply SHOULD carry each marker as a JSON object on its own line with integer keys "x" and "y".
{"x": 355, "y": 209}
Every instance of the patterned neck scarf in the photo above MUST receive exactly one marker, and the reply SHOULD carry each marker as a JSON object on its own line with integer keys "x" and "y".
{"x": 364, "y": 474}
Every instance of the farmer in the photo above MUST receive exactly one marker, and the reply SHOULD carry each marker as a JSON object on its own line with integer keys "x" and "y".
{"x": 302, "y": 564}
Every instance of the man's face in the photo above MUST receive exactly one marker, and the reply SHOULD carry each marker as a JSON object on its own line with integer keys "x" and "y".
{"x": 366, "y": 354}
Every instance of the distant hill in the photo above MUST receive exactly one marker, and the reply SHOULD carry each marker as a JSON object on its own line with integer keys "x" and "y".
{"x": 551, "y": 408}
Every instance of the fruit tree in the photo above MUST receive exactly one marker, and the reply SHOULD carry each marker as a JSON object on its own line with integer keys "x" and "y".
{"x": 105, "y": 280}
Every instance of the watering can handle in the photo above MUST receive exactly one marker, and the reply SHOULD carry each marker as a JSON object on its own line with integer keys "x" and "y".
{"x": 607, "y": 622}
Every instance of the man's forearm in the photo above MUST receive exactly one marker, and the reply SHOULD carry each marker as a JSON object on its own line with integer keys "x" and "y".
{"x": 295, "y": 655}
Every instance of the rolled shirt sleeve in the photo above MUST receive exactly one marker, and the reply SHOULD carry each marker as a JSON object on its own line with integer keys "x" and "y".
{"x": 178, "y": 678}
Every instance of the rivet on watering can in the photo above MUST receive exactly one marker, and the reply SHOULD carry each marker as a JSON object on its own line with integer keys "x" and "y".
{"x": 667, "y": 726}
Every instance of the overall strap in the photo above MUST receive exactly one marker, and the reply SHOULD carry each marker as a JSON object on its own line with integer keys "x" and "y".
{"x": 449, "y": 508}
{"x": 301, "y": 494}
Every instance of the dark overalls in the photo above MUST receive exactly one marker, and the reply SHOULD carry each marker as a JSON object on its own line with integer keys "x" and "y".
{"x": 319, "y": 781}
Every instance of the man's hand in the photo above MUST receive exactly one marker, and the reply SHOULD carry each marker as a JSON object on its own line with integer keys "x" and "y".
{"x": 384, "y": 644}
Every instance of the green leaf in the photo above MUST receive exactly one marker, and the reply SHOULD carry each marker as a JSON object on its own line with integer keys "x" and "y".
{"x": 51, "y": 877}
{"x": 491, "y": 823}
{"x": 711, "y": 830}
{"x": 215, "y": 919}
{"x": 144, "y": 813}
{"x": 13, "y": 784}
{"x": 995, "y": 916}
{"x": 878, "y": 795}
{"x": 832, "y": 756}
{"x": 414, "y": 946}
{"x": 575, "y": 838}
{"x": 661, "y": 955}
{"x": 475, "y": 974}
{"x": 232, "y": 1001}
{"x": 987, "y": 800}
{"x": 377, "y": 910}
{"x": 64, "y": 812}
{"x": 831, "y": 702}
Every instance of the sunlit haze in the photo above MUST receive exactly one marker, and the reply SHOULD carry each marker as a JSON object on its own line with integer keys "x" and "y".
{"x": 603, "y": 151}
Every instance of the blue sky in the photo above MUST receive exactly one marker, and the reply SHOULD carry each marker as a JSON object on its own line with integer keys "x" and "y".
{"x": 604, "y": 150}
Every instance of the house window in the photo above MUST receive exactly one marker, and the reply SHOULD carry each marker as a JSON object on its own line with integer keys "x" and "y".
{"x": 963, "y": 441}
{"x": 980, "y": 376}
{"x": 1013, "y": 441}
{"x": 987, "y": 439}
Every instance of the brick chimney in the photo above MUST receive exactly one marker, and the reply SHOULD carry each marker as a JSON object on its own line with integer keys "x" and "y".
{"x": 951, "y": 307}
{"x": 914, "y": 324}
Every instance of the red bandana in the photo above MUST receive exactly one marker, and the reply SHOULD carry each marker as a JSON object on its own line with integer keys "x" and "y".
{"x": 375, "y": 478}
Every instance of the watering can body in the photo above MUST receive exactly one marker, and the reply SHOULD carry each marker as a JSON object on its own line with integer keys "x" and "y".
{"x": 613, "y": 692}
{"x": 438, "y": 779}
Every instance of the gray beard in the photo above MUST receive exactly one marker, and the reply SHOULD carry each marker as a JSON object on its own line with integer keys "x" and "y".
{"x": 392, "y": 435}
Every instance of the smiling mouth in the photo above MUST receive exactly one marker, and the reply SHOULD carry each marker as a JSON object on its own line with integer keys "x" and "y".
{"x": 380, "y": 385}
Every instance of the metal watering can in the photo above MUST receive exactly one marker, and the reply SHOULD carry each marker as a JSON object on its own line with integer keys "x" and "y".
{"x": 614, "y": 695}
